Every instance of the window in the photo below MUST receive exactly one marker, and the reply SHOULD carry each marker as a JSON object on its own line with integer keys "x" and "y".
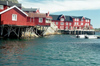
{"x": 66, "y": 27}
{"x": 66, "y": 23}
{"x": 62, "y": 19}
{"x": 14, "y": 17}
{"x": 77, "y": 19}
{"x": 81, "y": 23}
{"x": 88, "y": 20}
{"x": 1, "y": 7}
{"x": 62, "y": 23}
{"x": 40, "y": 20}
{"x": 56, "y": 23}
{"x": 77, "y": 23}
{"x": 70, "y": 23}
{"x": 82, "y": 20}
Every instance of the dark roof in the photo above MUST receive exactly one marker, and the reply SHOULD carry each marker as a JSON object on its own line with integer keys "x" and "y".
{"x": 9, "y": 3}
{"x": 80, "y": 17}
{"x": 87, "y": 18}
{"x": 29, "y": 9}
{"x": 57, "y": 17}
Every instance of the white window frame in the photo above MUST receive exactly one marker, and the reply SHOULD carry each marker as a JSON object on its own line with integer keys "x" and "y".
{"x": 66, "y": 23}
{"x": 62, "y": 23}
{"x": 82, "y": 23}
{"x": 1, "y": 7}
{"x": 56, "y": 23}
{"x": 77, "y": 19}
{"x": 62, "y": 19}
{"x": 88, "y": 20}
{"x": 77, "y": 23}
{"x": 14, "y": 17}
{"x": 70, "y": 23}
{"x": 40, "y": 20}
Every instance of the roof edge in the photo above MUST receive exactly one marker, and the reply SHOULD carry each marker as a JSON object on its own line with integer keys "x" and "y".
{"x": 12, "y": 8}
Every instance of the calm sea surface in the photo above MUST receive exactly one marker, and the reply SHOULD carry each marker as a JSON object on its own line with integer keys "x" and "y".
{"x": 54, "y": 50}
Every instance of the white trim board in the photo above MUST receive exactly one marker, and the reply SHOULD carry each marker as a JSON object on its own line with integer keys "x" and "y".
{"x": 12, "y": 8}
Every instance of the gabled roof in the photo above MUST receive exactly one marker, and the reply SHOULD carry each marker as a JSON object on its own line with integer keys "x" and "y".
{"x": 87, "y": 18}
{"x": 12, "y": 8}
{"x": 9, "y": 3}
{"x": 68, "y": 18}
{"x": 57, "y": 17}
{"x": 41, "y": 15}
{"x": 30, "y": 9}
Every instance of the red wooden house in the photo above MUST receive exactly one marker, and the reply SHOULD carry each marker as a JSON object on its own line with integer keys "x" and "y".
{"x": 13, "y": 16}
{"x": 71, "y": 22}
{"x": 37, "y": 18}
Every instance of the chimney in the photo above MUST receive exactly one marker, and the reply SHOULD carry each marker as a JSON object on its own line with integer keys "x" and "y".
{"x": 7, "y": 2}
{"x": 48, "y": 13}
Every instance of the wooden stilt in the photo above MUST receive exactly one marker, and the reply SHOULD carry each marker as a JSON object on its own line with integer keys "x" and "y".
{"x": 18, "y": 32}
{"x": 2, "y": 29}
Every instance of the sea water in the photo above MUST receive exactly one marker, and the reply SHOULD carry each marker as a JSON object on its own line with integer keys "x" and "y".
{"x": 54, "y": 50}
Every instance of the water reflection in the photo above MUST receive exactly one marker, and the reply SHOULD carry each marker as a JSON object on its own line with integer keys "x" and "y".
{"x": 11, "y": 51}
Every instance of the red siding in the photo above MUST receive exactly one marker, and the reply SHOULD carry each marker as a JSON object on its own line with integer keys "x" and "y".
{"x": 36, "y": 20}
{"x": 6, "y": 17}
{"x": 62, "y": 27}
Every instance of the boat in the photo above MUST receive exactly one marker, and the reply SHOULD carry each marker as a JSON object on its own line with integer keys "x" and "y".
{"x": 91, "y": 37}
{"x": 80, "y": 36}
{"x": 98, "y": 37}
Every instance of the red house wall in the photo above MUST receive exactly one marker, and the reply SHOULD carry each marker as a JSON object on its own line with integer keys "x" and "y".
{"x": 36, "y": 21}
{"x": 62, "y": 27}
{"x": 79, "y": 23}
{"x": 72, "y": 24}
{"x": 6, "y": 17}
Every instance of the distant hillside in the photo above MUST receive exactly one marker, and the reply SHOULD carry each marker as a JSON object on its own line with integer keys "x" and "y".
{"x": 14, "y": 1}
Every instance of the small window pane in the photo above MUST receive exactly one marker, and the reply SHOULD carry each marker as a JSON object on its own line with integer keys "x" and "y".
{"x": 81, "y": 23}
{"x": 62, "y": 19}
{"x": 66, "y": 23}
{"x": 62, "y": 23}
{"x": 77, "y": 23}
{"x": 40, "y": 20}
{"x": 56, "y": 23}
{"x": 70, "y": 23}
{"x": 77, "y": 19}
{"x": 14, "y": 17}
